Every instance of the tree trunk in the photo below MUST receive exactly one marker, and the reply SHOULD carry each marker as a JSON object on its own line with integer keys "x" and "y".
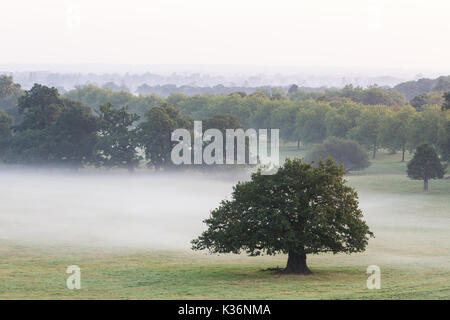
{"x": 297, "y": 264}
{"x": 374, "y": 150}
{"x": 403, "y": 153}
{"x": 298, "y": 144}
{"x": 425, "y": 184}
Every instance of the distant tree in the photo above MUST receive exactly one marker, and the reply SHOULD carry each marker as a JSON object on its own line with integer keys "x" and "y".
{"x": 285, "y": 118}
{"x": 372, "y": 95}
{"x": 5, "y": 124}
{"x": 446, "y": 105}
{"x": 73, "y": 136}
{"x": 94, "y": 97}
{"x": 425, "y": 127}
{"x": 54, "y": 131}
{"x": 240, "y": 94}
{"x": 277, "y": 94}
{"x": 5, "y": 131}
{"x": 342, "y": 118}
{"x": 39, "y": 106}
{"x": 304, "y": 95}
{"x": 262, "y": 116}
{"x": 8, "y": 87}
{"x": 222, "y": 122}
{"x": 419, "y": 101}
{"x": 444, "y": 142}
{"x": 311, "y": 122}
{"x": 375, "y": 95}
{"x": 346, "y": 152}
{"x": 156, "y": 131}
{"x": 395, "y": 129}
{"x": 425, "y": 165}
{"x": 368, "y": 126}
{"x": 293, "y": 89}
{"x": 9, "y": 93}
{"x": 299, "y": 210}
{"x": 118, "y": 140}
{"x": 176, "y": 98}
{"x": 29, "y": 147}
{"x": 431, "y": 98}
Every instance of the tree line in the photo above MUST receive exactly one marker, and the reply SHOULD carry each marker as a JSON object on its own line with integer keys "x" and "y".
{"x": 57, "y": 131}
{"x": 95, "y": 126}
{"x": 312, "y": 120}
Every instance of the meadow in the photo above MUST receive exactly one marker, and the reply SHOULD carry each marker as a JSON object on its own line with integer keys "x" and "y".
{"x": 411, "y": 247}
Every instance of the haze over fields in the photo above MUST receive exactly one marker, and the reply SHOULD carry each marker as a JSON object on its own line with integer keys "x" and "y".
{"x": 166, "y": 211}
{"x": 106, "y": 210}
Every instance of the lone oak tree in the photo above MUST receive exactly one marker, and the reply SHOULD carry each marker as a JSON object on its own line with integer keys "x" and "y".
{"x": 299, "y": 210}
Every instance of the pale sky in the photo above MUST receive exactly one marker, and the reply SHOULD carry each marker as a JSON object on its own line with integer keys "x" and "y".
{"x": 347, "y": 33}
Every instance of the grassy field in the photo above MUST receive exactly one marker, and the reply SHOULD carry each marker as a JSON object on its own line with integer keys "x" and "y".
{"x": 412, "y": 248}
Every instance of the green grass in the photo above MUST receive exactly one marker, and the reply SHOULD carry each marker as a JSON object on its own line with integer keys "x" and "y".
{"x": 291, "y": 151}
{"x": 412, "y": 248}
{"x": 388, "y": 174}
{"x": 385, "y": 164}
{"x": 33, "y": 273}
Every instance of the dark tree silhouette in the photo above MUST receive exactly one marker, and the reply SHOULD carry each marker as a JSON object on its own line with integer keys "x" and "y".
{"x": 299, "y": 210}
{"x": 425, "y": 165}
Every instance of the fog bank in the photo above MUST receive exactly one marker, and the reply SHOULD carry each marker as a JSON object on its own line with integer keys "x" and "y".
{"x": 163, "y": 211}
{"x": 166, "y": 211}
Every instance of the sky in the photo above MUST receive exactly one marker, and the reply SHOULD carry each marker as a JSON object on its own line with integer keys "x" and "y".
{"x": 396, "y": 34}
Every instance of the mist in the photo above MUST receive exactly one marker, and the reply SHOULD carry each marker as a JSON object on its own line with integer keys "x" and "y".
{"x": 166, "y": 211}
{"x": 154, "y": 211}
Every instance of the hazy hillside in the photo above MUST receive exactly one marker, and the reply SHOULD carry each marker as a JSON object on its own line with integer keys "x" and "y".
{"x": 410, "y": 89}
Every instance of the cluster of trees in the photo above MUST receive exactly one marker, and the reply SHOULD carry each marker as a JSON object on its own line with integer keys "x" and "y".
{"x": 149, "y": 96}
{"x": 53, "y": 130}
{"x": 42, "y": 113}
{"x": 397, "y": 128}
{"x": 302, "y": 117}
{"x": 166, "y": 90}
{"x": 9, "y": 94}
{"x": 431, "y": 98}
{"x": 94, "y": 97}
{"x": 372, "y": 95}
{"x": 57, "y": 131}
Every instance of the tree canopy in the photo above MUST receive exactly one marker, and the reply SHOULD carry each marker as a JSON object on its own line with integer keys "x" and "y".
{"x": 302, "y": 117}
{"x": 299, "y": 210}
{"x": 118, "y": 142}
{"x": 155, "y": 134}
{"x": 425, "y": 165}
{"x": 346, "y": 152}
{"x": 5, "y": 131}
{"x": 54, "y": 131}
{"x": 446, "y": 104}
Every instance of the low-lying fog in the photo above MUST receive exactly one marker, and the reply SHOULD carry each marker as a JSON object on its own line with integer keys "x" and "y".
{"x": 154, "y": 211}
{"x": 164, "y": 211}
